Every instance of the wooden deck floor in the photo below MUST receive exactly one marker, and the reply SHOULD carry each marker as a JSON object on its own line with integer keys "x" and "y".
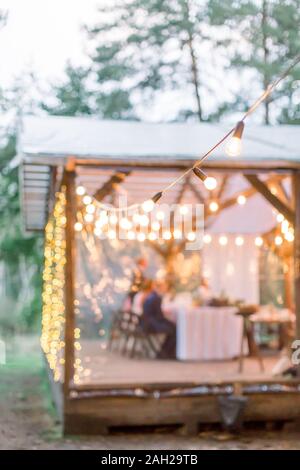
{"x": 104, "y": 368}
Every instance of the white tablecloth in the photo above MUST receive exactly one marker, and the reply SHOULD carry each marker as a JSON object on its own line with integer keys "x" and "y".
{"x": 208, "y": 333}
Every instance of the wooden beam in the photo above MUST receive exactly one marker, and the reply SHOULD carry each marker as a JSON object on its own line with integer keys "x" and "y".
{"x": 296, "y": 186}
{"x": 69, "y": 181}
{"x": 111, "y": 184}
{"x": 263, "y": 189}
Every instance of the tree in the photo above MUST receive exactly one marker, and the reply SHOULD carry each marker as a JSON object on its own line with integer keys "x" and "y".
{"x": 266, "y": 35}
{"x": 144, "y": 47}
{"x": 72, "y": 97}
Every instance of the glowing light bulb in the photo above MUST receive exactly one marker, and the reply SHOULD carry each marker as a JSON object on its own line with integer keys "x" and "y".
{"x": 285, "y": 226}
{"x": 207, "y": 238}
{"x": 144, "y": 220}
{"x": 78, "y": 226}
{"x": 112, "y": 234}
{"x": 223, "y": 240}
{"x": 280, "y": 218}
{"x": 97, "y": 231}
{"x": 89, "y": 218}
{"x": 210, "y": 183}
{"x": 239, "y": 241}
{"x": 213, "y": 206}
{"x": 167, "y": 235}
{"x": 177, "y": 234}
{"x": 90, "y": 209}
{"x": 241, "y": 200}
{"x": 152, "y": 236}
{"x": 155, "y": 226}
{"x": 258, "y": 241}
{"x": 136, "y": 218}
{"x": 125, "y": 224}
{"x": 191, "y": 236}
{"x": 148, "y": 206}
{"x": 113, "y": 219}
{"x": 234, "y": 144}
{"x": 80, "y": 190}
{"x": 160, "y": 215}
{"x": 131, "y": 235}
{"x": 183, "y": 210}
{"x": 278, "y": 240}
{"x": 87, "y": 200}
{"x": 141, "y": 237}
{"x": 289, "y": 236}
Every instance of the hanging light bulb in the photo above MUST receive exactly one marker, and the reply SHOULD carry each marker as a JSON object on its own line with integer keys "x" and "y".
{"x": 125, "y": 224}
{"x": 112, "y": 234}
{"x": 191, "y": 236}
{"x": 160, "y": 215}
{"x": 155, "y": 226}
{"x": 148, "y": 206}
{"x": 258, "y": 241}
{"x": 177, "y": 234}
{"x": 209, "y": 182}
{"x": 280, "y": 218}
{"x": 278, "y": 240}
{"x": 141, "y": 237}
{"x": 183, "y": 210}
{"x": 113, "y": 219}
{"x": 241, "y": 200}
{"x": 144, "y": 220}
{"x": 131, "y": 235}
{"x": 289, "y": 236}
{"x": 223, "y": 240}
{"x": 207, "y": 238}
{"x": 78, "y": 226}
{"x": 152, "y": 236}
{"x": 90, "y": 208}
{"x": 80, "y": 190}
{"x": 167, "y": 235}
{"x": 213, "y": 206}
{"x": 87, "y": 200}
{"x": 233, "y": 147}
{"x": 239, "y": 241}
{"x": 157, "y": 197}
{"x": 89, "y": 218}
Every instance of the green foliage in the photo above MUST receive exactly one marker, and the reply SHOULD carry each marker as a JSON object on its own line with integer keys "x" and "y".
{"x": 72, "y": 97}
{"x": 264, "y": 36}
{"x": 20, "y": 255}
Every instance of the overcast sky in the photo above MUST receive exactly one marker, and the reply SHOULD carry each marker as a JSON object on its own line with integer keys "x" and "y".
{"x": 42, "y": 35}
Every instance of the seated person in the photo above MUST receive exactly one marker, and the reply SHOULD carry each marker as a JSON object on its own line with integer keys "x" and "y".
{"x": 203, "y": 293}
{"x": 138, "y": 277}
{"x": 140, "y": 297}
{"x": 154, "y": 321}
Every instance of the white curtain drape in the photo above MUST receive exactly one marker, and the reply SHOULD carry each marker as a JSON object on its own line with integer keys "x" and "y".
{"x": 232, "y": 269}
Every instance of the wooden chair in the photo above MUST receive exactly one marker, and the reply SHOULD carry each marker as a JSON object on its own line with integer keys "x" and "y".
{"x": 248, "y": 334}
{"x": 132, "y": 338}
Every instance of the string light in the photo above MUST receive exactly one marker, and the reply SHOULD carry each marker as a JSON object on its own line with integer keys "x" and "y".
{"x": 78, "y": 226}
{"x": 278, "y": 240}
{"x": 87, "y": 200}
{"x": 183, "y": 210}
{"x": 280, "y": 218}
{"x": 239, "y": 241}
{"x": 289, "y": 236}
{"x": 80, "y": 190}
{"x": 258, "y": 241}
{"x": 191, "y": 236}
{"x": 241, "y": 200}
{"x": 141, "y": 237}
{"x": 213, "y": 206}
{"x": 160, "y": 215}
{"x": 234, "y": 145}
{"x": 144, "y": 220}
{"x": 177, "y": 234}
{"x": 90, "y": 208}
{"x": 209, "y": 182}
{"x": 148, "y": 206}
{"x": 167, "y": 235}
{"x": 155, "y": 226}
{"x": 125, "y": 224}
{"x": 113, "y": 219}
{"x": 89, "y": 218}
{"x": 223, "y": 240}
{"x": 207, "y": 238}
{"x": 152, "y": 236}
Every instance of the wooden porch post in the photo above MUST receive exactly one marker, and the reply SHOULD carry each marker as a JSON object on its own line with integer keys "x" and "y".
{"x": 297, "y": 250}
{"x": 69, "y": 181}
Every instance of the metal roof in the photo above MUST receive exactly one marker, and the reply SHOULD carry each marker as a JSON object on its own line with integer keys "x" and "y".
{"x": 45, "y": 144}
